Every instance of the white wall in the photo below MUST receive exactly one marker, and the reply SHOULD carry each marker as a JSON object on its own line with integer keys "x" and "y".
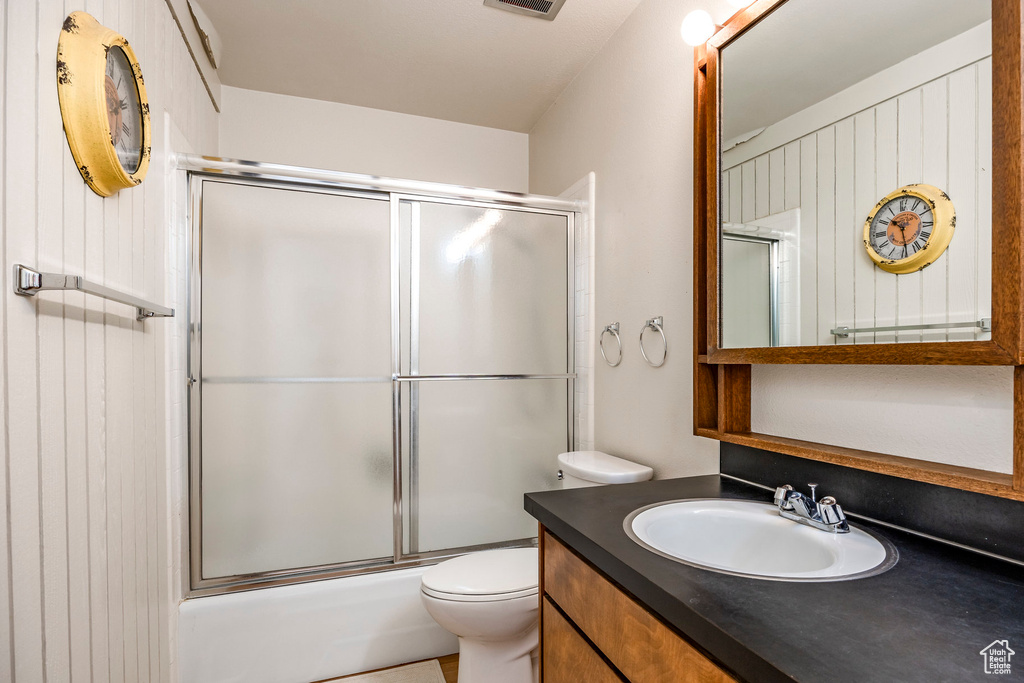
{"x": 85, "y": 577}
{"x": 282, "y": 129}
{"x": 628, "y": 117}
{"x": 953, "y": 415}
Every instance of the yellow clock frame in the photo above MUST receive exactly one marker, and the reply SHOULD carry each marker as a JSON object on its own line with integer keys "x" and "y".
{"x": 944, "y": 223}
{"x": 81, "y": 68}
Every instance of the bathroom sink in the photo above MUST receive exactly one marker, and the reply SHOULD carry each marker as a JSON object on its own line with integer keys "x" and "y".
{"x": 751, "y": 539}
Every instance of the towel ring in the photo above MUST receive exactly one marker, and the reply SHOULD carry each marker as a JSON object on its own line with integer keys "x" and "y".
{"x": 614, "y": 329}
{"x": 656, "y": 324}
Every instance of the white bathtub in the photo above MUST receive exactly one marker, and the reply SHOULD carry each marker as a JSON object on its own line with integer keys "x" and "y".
{"x": 308, "y": 632}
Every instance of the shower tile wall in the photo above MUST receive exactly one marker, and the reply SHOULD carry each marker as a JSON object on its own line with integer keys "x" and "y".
{"x": 583, "y": 409}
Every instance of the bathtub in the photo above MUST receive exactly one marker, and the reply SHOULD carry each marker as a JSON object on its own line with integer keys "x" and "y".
{"x": 308, "y": 632}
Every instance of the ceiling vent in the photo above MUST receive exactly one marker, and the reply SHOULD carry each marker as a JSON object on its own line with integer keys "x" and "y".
{"x": 544, "y": 9}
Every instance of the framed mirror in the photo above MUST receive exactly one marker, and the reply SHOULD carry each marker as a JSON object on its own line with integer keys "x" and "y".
{"x": 835, "y": 144}
{"x": 859, "y": 141}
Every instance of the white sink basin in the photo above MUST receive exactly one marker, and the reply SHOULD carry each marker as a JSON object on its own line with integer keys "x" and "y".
{"x": 750, "y": 539}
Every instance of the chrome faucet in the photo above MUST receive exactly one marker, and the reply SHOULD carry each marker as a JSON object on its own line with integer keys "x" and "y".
{"x": 824, "y": 514}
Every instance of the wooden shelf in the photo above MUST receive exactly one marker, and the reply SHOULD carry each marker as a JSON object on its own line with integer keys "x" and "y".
{"x": 964, "y": 478}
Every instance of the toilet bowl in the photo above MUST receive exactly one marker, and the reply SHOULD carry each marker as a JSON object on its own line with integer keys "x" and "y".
{"x": 489, "y": 599}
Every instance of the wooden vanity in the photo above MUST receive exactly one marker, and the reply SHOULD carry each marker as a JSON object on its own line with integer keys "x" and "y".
{"x": 614, "y": 611}
{"x": 591, "y": 630}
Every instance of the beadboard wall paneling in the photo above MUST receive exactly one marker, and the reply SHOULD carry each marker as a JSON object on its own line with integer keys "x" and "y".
{"x": 938, "y": 133}
{"x": 85, "y": 589}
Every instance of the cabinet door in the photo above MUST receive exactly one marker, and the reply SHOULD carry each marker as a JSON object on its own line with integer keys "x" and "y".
{"x": 567, "y": 657}
{"x": 636, "y": 642}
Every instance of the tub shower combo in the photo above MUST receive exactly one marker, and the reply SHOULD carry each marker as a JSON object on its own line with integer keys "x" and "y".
{"x": 378, "y": 370}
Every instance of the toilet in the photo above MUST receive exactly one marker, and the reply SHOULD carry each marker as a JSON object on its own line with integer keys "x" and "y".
{"x": 489, "y": 599}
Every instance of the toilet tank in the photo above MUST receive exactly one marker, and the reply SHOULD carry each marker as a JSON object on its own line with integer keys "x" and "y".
{"x": 594, "y": 468}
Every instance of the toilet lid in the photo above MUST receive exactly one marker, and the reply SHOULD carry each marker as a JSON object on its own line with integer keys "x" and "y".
{"x": 488, "y": 575}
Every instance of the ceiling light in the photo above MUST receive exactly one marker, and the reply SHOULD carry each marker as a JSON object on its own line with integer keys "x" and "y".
{"x": 697, "y": 27}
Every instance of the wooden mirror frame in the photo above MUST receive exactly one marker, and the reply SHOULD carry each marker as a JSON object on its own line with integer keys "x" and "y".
{"x": 722, "y": 377}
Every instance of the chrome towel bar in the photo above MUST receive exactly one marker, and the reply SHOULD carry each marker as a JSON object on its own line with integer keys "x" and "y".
{"x": 985, "y": 325}
{"x": 28, "y": 282}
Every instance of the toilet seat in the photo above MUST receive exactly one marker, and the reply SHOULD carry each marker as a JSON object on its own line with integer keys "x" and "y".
{"x": 483, "y": 597}
{"x": 487, "y": 576}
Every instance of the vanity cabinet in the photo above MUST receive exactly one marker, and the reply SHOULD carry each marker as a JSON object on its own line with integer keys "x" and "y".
{"x": 591, "y": 630}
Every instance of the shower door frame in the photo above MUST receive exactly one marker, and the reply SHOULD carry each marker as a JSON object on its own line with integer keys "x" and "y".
{"x": 394, "y": 191}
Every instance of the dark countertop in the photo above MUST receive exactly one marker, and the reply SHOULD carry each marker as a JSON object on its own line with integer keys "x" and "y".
{"x": 926, "y": 619}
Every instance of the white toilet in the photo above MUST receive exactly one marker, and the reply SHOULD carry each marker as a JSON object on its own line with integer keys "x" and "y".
{"x": 489, "y": 599}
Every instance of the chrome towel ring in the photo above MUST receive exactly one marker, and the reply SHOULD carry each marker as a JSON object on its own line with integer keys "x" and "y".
{"x": 656, "y": 324}
{"x": 614, "y": 329}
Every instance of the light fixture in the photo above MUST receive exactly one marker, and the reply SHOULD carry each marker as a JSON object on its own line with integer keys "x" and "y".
{"x": 697, "y": 27}
{"x": 739, "y": 4}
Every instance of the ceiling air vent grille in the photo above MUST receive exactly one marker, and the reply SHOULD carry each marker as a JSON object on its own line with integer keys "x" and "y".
{"x": 545, "y": 9}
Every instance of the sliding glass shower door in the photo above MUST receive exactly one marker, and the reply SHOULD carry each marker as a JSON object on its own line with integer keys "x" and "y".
{"x": 295, "y": 379}
{"x": 489, "y": 361}
{"x": 376, "y": 379}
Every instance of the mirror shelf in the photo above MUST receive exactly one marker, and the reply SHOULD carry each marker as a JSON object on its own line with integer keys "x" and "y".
{"x": 964, "y": 478}
{"x": 722, "y": 376}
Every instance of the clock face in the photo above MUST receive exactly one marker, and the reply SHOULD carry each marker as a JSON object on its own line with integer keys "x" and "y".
{"x": 901, "y": 227}
{"x": 124, "y": 113}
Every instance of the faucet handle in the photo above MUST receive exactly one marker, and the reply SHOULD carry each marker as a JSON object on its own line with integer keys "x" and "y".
{"x": 830, "y": 511}
{"x": 782, "y": 495}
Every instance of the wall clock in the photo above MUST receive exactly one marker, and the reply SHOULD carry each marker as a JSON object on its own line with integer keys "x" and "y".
{"x": 909, "y": 228}
{"x": 103, "y": 104}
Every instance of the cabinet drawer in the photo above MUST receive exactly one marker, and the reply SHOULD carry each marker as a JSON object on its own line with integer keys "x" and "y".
{"x": 567, "y": 657}
{"x": 635, "y": 641}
